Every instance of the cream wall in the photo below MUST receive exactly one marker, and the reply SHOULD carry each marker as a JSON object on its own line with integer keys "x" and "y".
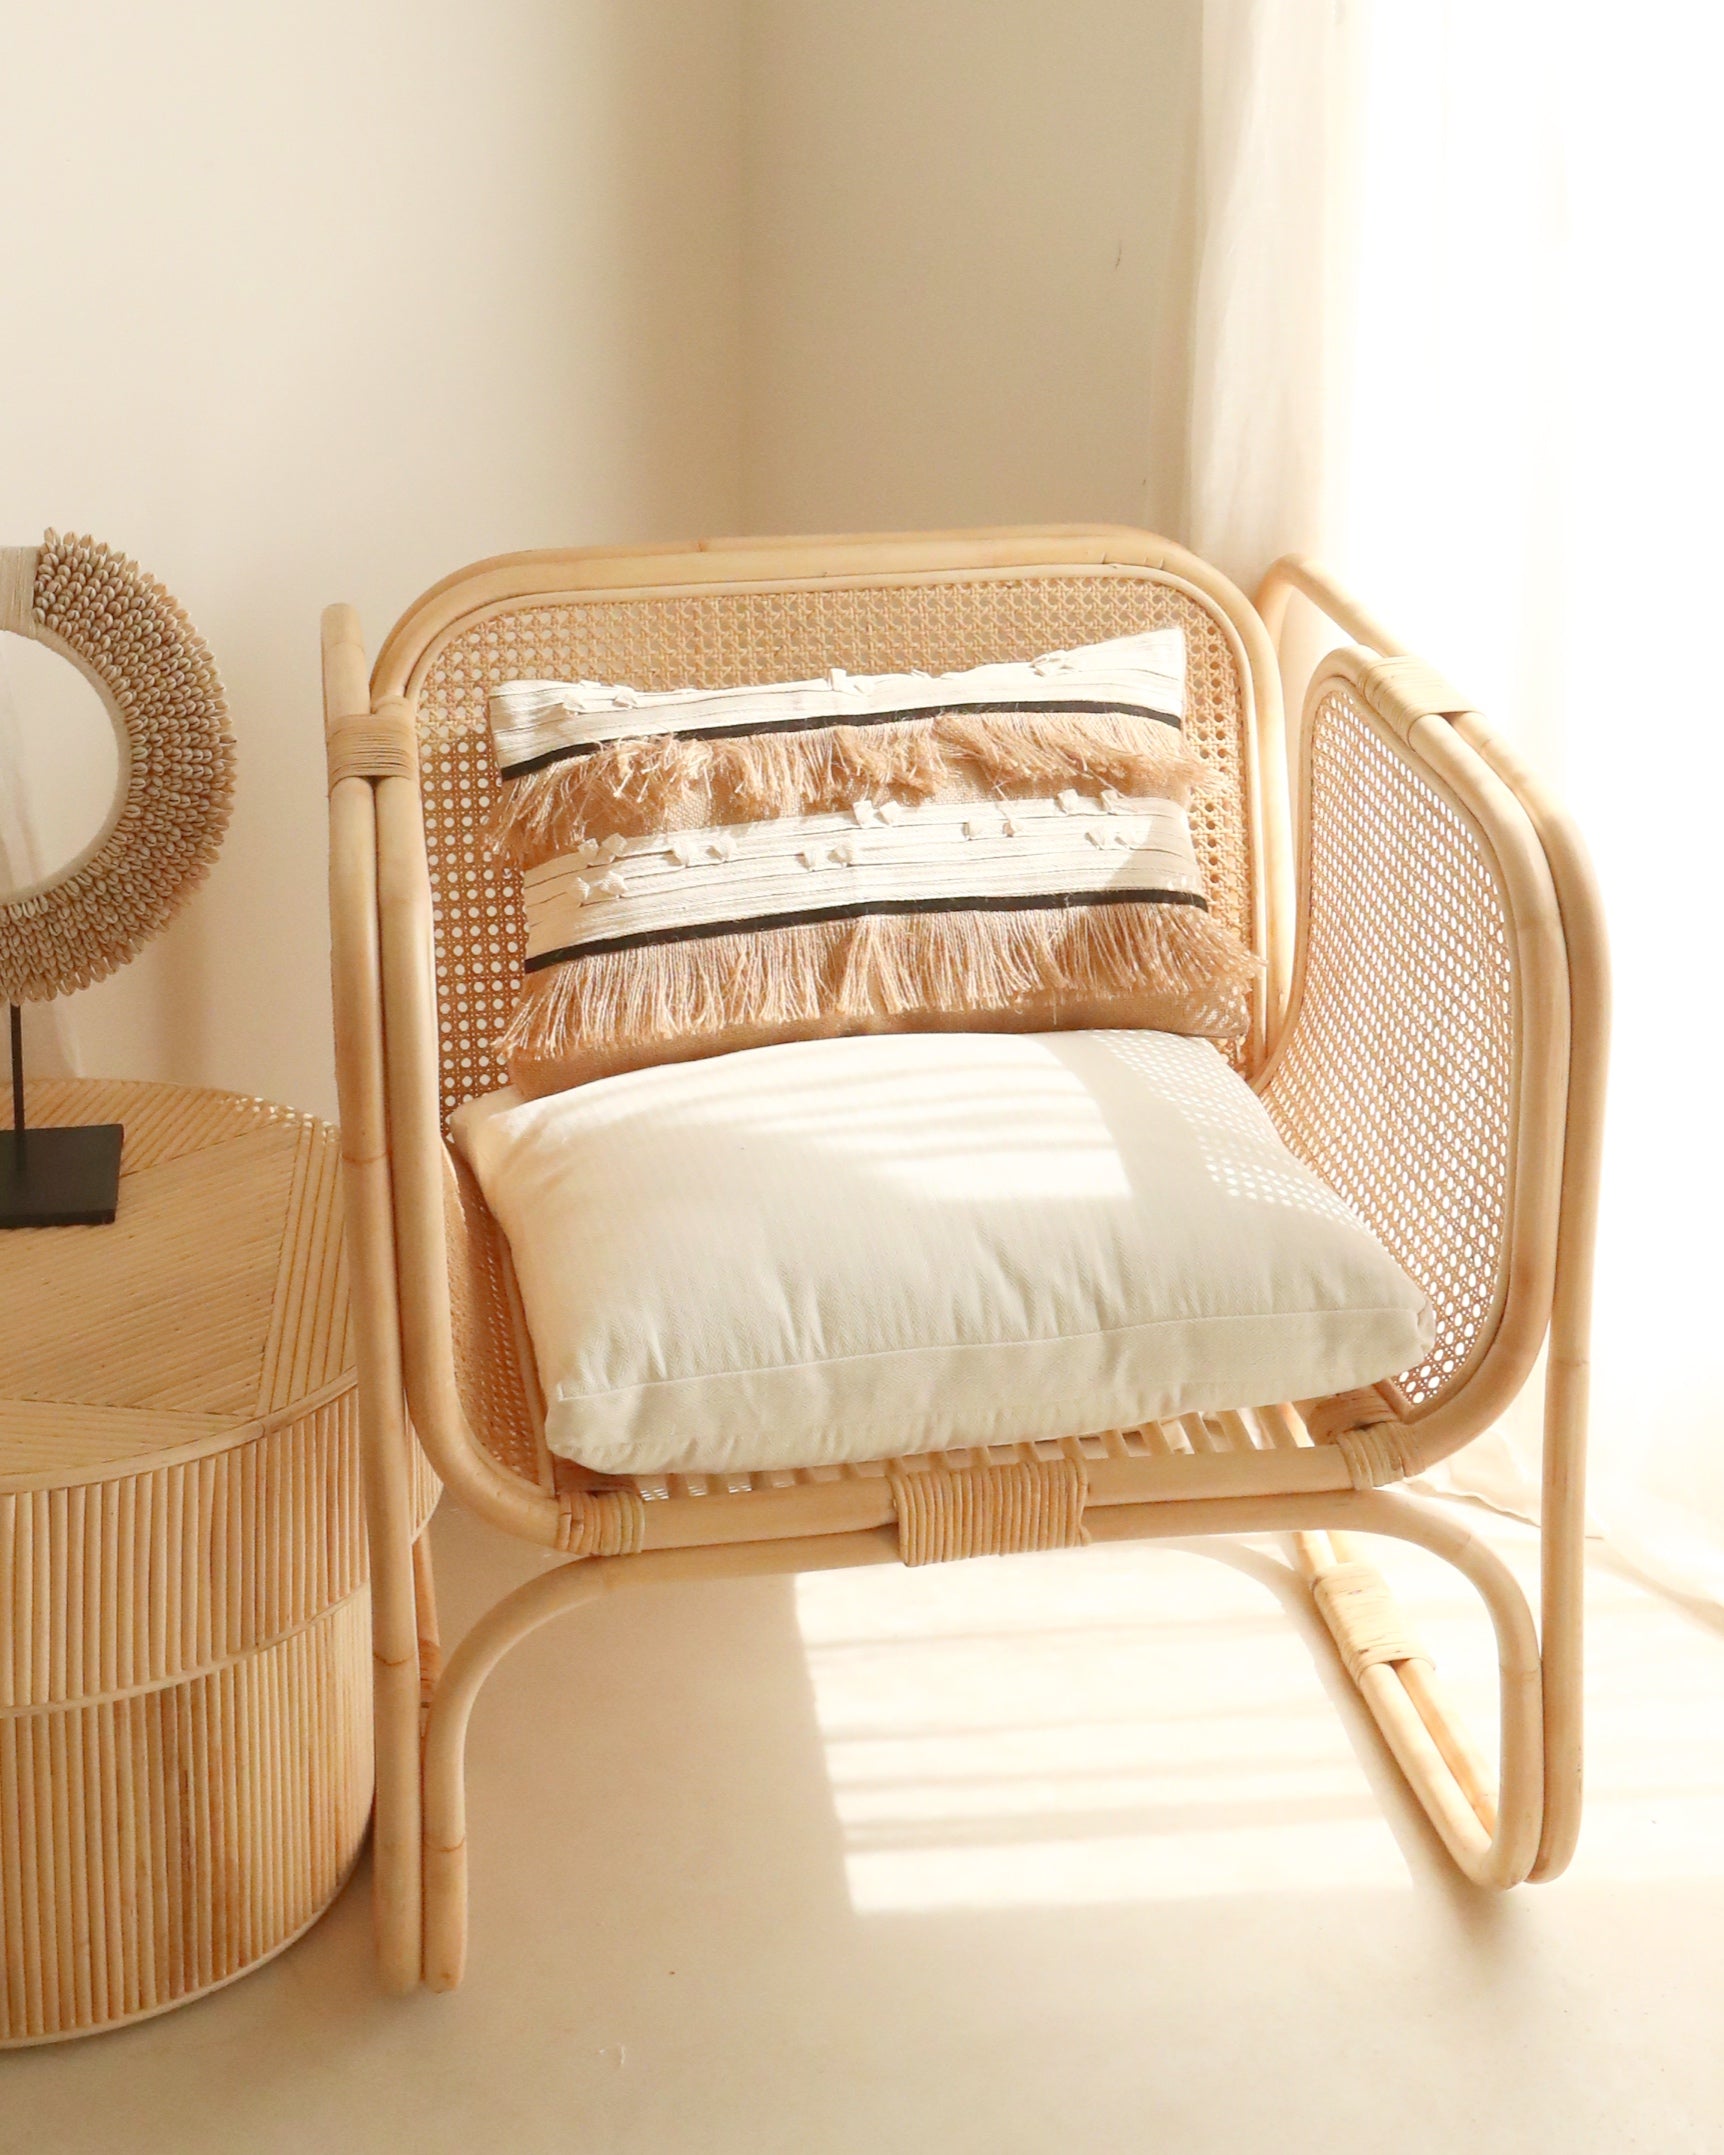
{"x": 967, "y": 258}
{"x": 319, "y": 302}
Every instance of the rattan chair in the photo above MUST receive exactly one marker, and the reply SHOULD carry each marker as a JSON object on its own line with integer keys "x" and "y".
{"x": 1429, "y": 1036}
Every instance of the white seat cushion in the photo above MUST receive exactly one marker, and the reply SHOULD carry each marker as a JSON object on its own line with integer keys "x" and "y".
{"x": 846, "y": 1249}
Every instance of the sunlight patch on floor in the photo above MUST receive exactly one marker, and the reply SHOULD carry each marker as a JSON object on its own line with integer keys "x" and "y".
{"x": 1134, "y": 1724}
{"x": 1112, "y": 1726}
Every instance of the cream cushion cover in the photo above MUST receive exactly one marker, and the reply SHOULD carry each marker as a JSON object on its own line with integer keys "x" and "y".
{"x": 847, "y": 1249}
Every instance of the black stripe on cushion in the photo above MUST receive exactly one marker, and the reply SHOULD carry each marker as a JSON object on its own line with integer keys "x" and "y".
{"x": 830, "y": 719}
{"x": 1041, "y": 902}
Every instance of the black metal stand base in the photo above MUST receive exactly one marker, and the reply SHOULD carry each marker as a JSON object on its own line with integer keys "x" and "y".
{"x": 60, "y": 1178}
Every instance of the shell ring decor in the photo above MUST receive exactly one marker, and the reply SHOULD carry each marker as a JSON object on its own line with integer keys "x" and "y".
{"x": 156, "y": 676}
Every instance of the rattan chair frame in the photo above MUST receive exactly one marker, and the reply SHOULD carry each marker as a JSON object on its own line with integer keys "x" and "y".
{"x": 440, "y": 1341}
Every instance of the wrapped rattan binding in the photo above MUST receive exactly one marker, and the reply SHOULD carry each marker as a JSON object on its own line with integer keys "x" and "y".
{"x": 1367, "y": 1431}
{"x": 945, "y": 1513}
{"x": 1364, "y": 1619}
{"x": 380, "y": 745}
{"x": 602, "y": 1522}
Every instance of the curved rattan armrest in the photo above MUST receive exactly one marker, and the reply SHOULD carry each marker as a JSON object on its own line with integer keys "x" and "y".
{"x": 418, "y": 1170}
{"x": 380, "y": 910}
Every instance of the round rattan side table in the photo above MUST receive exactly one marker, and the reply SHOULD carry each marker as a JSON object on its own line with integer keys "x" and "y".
{"x": 185, "y": 1649}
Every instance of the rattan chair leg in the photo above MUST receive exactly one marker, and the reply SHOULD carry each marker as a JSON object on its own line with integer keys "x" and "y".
{"x": 1496, "y": 1858}
{"x": 425, "y": 1607}
{"x": 556, "y": 1593}
{"x": 386, "y": 1440}
{"x": 1434, "y": 1766}
{"x": 1562, "y": 1511}
{"x": 1563, "y": 1573}
{"x": 1320, "y": 1556}
{"x": 553, "y": 1593}
{"x": 1493, "y": 1843}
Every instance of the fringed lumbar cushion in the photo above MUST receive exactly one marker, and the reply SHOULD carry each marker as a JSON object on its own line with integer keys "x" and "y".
{"x": 1002, "y": 849}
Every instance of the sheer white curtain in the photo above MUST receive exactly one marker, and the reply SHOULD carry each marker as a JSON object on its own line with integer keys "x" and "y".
{"x": 1520, "y": 460}
{"x": 1276, "y": 263}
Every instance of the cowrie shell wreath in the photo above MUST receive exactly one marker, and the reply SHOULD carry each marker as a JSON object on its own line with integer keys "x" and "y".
{"x": 154, "y": 672}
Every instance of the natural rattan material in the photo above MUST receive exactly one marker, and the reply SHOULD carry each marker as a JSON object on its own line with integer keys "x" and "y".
{"x": 381, "y": 747}
{"x": 493, "y": 1356}
{"x": 1181, "y": 1445}
{"x": 725, "y": 639}
{"x": 1434, "y": 863}
{"x": 1377, "y": 1456}
{"x": 1397, "y": 1086}
{"x": 185, "y": 1659}
{"x": 1328, "y": 1419}
{"x": 603, "y": 1522}
{"x": 195, "y": 1829}
{"x": 1364, "y": 1618}
{"x": 159, "y": 681}
{"x": 989, "y": 1511}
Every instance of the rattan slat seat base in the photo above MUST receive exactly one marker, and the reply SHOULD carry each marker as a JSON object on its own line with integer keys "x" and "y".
{"x": 1268, "y": 1450}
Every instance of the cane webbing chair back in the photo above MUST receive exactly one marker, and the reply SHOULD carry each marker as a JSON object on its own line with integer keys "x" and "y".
{"x": 718, "y": 638}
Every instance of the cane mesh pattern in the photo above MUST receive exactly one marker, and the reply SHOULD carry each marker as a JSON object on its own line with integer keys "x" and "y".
{"x": 488, "y": 1369}
{"x": 1398, "y": 1085}
{"x": 722, "y": 638}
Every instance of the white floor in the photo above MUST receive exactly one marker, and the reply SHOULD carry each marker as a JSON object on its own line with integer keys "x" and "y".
{"x": 1064, "y": 1853}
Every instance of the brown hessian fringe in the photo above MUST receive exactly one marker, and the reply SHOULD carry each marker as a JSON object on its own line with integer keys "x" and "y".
{"x": 1168, "y": 967}
{"x": 660, "y": 782}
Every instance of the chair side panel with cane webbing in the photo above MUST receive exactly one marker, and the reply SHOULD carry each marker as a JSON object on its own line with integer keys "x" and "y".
{"x": 1398, "y": 1079}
